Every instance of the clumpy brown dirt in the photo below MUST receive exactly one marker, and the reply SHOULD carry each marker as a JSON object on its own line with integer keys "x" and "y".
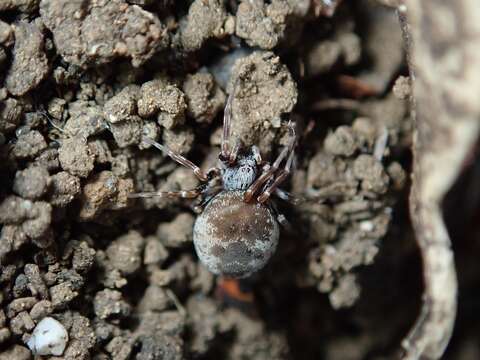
{"x": 82, "y": 82}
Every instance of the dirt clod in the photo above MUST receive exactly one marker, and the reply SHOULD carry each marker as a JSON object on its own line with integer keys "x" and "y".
{"x": 75, "y": 157}
{"x": 32, "y": 182}
{"x": 16, "y": 352}
{"x": 108, "y": 303}
{"x": 64, "y": 188}
{"x": 178, "y": 232}
{"x": 82, "y": 36}
{"x": 62, "y": 294}
{"x": 29, "y": 145}
{"x": 264, "y": 93}
{"x": 205, "y": 99}
{"x": 86, "y": 82}
{"x": 30, "y": 64}
{"x": 205, "y": 20}
{"x": 103, "y": 191}
{"x": 123, "y": 105}
{"x": 125, "y": 253}
{"x": 262, "y": 23}
{"x": 166, "y": 101}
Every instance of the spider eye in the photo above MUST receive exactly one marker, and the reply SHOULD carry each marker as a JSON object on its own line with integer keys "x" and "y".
{"x": 210, "y": 175}
{"x": 222, "y": 158}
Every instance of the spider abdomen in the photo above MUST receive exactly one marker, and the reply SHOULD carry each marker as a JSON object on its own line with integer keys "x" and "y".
{"x": 233, "y": 238}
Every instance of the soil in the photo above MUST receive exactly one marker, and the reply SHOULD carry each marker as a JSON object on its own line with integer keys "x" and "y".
{"x": 82, "y": 82}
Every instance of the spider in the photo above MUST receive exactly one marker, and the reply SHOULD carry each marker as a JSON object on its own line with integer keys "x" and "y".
{"x": 237, "y": 229}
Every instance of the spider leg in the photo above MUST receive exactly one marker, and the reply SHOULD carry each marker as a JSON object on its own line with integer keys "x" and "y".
{"x": 286, "y": 196}
{"x": 227, "y": 121}
{"x": 287, "y": 152}
{"x": 234, "y": 153}
{"x": 257, "y": 155}
{"x": 178, "y": 158}
{"x": 183, "y": 194}
{"x": 207, "y": 195}
{"x": 282, "y": 220}
{"x": 283, "y": 174}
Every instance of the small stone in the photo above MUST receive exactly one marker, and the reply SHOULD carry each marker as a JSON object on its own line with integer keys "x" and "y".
{"x": 49, "y": 338}
{"x": 11, "y": 113}
{"x": 100, "y": 149}
{"x": 85, "y": 120}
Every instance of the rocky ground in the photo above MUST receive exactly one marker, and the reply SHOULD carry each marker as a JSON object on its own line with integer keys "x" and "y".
{"x": 83, "y": 81}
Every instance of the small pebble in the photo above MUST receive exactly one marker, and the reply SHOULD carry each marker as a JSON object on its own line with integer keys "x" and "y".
{"x": 48, "y": 338}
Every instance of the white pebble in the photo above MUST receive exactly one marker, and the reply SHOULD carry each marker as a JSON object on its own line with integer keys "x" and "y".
{"x": 48, "y": 338}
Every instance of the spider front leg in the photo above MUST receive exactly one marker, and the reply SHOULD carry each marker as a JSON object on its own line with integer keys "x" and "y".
{"x": 178, "y": 158}
{"x": 286, "y": 196}
{"x": 257, "y": 155}
{"x": 287, "y": 152}
{"x": 182, "y": 194}
{"x": 185, "y": 194}
{"x": 227, "y": 122}
{"x": 278, "y": 180}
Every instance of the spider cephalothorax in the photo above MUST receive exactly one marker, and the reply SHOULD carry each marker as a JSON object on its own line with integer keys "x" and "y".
{"x": 237, "y": 229}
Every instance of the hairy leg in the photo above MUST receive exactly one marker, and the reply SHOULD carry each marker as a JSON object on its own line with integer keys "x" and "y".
{"x": 287, "y": 152}
{"x": 178, "y": 158}
{"x": 183, "y": 194}
{"x": 227, "y": 122}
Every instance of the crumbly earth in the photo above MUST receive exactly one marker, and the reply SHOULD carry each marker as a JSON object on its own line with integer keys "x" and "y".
{"x": 82, "y": 82}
